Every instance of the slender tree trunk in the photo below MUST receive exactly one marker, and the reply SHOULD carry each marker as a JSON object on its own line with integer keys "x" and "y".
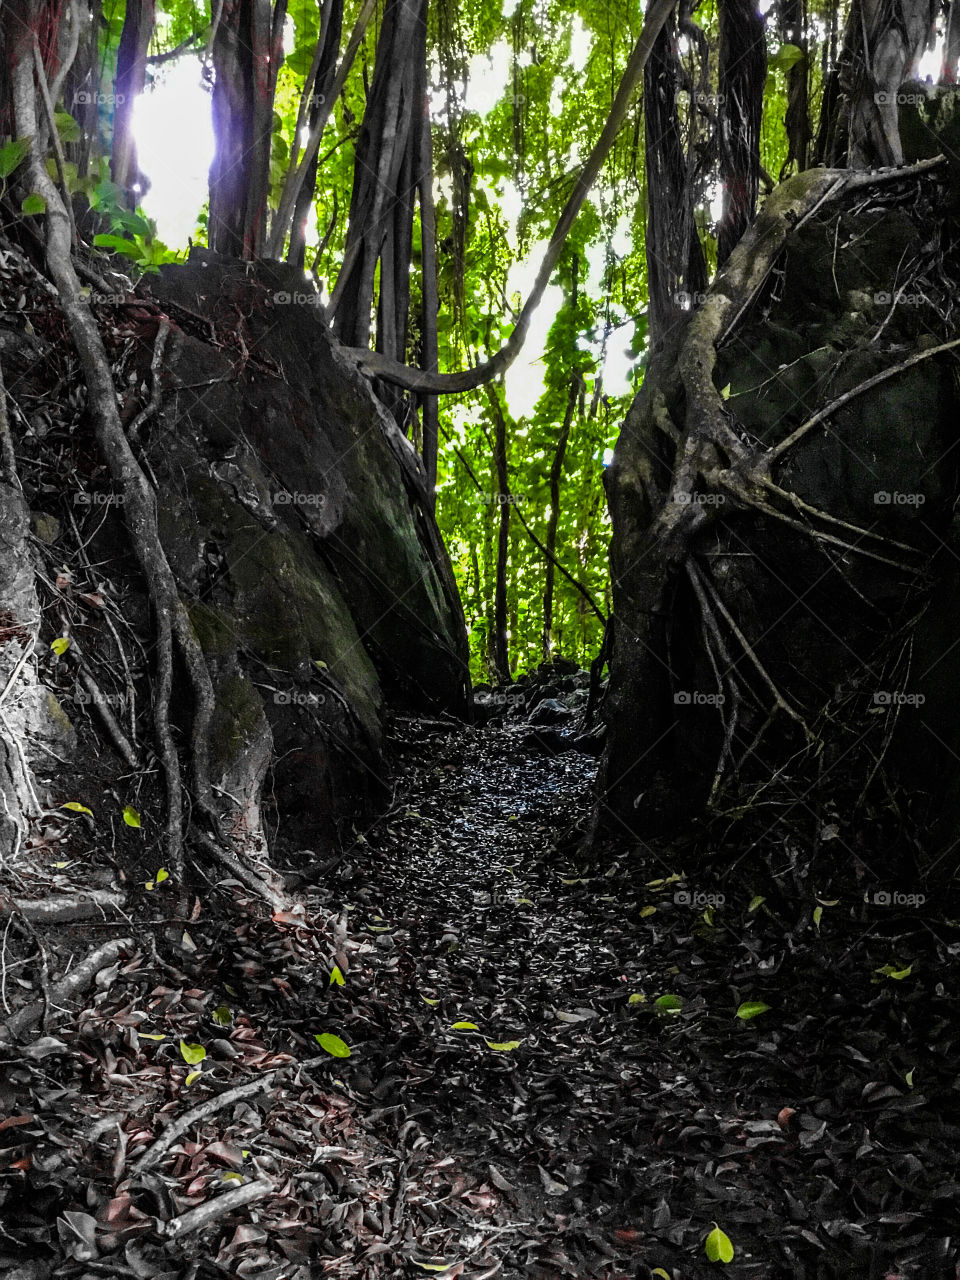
{"x": 246, "y": 56}
{"x": 430, "y": 306}
{"x": 380, "y": 152}
{"x": 556, "y": 473}
{"x": 743, "y": 70}
{"x": 138, "y": 24}
{"x": 320, "y": 85}
{"x": 501, "y": 651}
{"x": 951, "y": 47}
{"x": 792, "y": 24}
{"x": 675, "y": 262}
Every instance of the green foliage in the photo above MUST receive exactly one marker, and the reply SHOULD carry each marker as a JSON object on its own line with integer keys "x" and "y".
{"x": 517, "y": 101}
{"x": 718, "y": 1246}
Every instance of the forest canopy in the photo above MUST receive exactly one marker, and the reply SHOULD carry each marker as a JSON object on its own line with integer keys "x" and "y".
{"x": 502, "y": 106}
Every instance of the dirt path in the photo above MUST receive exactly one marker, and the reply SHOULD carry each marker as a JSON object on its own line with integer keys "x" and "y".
{"x": 625, "y": 1131}
{"x": 546, "y": 1075}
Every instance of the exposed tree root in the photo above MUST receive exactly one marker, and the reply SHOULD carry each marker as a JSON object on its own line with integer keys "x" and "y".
{"x": 76, "y": 980}
{"x": 171, "y": 620}
{"x": 717, "y": 469}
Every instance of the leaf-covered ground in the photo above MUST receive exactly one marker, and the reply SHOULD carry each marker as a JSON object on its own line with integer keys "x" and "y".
{"x": 547, "y": 1077}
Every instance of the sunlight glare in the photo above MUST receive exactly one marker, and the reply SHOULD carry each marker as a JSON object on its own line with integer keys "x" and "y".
{"x": 174, "y": 133}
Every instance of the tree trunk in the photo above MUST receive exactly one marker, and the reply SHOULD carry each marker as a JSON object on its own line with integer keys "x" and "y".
{"x": 881, "y": 47}
{"x": 556, "y": 474}
{"x": 676, "y": 269}
{"x": 320, "y": 85}
{"x": 246, "y": 56}
{"x": 743, "y": 71}
{"x": 138, "y": 24}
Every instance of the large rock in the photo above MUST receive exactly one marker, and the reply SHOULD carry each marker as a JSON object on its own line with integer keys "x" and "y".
{"x": 294, "y": 516}
{"x": 844, "y": 602}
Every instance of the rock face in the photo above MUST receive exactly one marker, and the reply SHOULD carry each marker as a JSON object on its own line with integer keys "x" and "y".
{"x": 294, "y": 516}
{"x": 840, "y": 593}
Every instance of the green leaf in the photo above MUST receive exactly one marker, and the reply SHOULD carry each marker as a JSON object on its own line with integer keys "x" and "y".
{"x": 817, "y": 916}
{"x": 647, "y": 911}
{"x": 191, "y": 1076}
{"x": 427, "y": 1000}
{"x": 725, "y": 393}
{"x": 60, "y": 645}
{"x": 230, "y": 1176}
{"x": 119, "y": 245}
{"x": 161, "y": 874}
{"x": 669, "y": 1004}
{"x": 787, "y": 56}
{"x": 336, "y": 977}
{"x": 756, "y": 902}
{"x": 33, "y": 203}
{"x": 67, "y": 127}
{"x": 132, "y": 819}
{"x": 221, "y": 1015}
{"x": 148, "y": 1035}
{"x": 192, "y": 1053}
{"x": 637, "y": 998}
{"x": 909, "y": 1077}
{"x": 300, "y": 59}
{"x": 751, "y": 1009}
{"x": 434, "y": 1266}
{"x": 76, "y": 807}
{"x": 464, "y": 1026}
{"x": 333, "y": 1045}
{"x": 718, "y": 1247}
{"x": 659, "y": 1271}
{"x": 503, "y": 1046}
{"x": 888, "y": 971}
{"x": 13, "y": 155}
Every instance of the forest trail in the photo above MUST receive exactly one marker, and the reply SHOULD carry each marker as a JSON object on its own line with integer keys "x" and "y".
{"x": 529, "y": 1068}
{"x": 616, "y": 1134}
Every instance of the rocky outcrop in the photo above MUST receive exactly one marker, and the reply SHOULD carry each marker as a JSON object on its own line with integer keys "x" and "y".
{"x": 805, "y": 644}
{"x": 293, "y": 513}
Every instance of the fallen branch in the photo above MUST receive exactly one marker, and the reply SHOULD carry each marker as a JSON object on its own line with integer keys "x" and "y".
{"x": 196, "y": 1115}
{"x": 62, "y": 908}
{"x": 60, "y": 992}
{"x": 204, "y": 1214}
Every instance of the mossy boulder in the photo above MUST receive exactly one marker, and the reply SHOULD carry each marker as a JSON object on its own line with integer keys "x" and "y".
{"x": 294, "y": 517}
